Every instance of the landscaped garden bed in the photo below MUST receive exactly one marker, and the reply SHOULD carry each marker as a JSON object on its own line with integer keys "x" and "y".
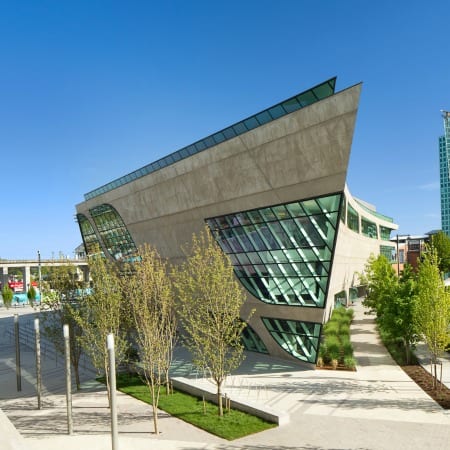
{"x": 232, "y": 425}
{"x": 336, "y": 350}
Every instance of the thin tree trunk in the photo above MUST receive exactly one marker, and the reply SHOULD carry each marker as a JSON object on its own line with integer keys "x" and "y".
{"x": 155, "y": 419}
{"x": 219, "y": 399}
{"x": 108, "y": 387}
{"x": 77, "y": 376}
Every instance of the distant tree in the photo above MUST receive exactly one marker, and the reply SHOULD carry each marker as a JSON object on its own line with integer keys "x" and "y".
{"x": 441, "y": 243}
{"x": 432, "y": 313}
{"x": 210, "y": 300}
{"x": 149, "y": 291}
{"x": 58, "y": 307}
{"x": 7, "y": 295}
{"x": 100, "y": 313}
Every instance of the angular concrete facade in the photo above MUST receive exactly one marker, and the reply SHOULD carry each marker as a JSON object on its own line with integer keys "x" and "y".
{"x": 290, "y": 173}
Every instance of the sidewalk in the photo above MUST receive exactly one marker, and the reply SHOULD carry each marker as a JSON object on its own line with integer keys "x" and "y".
{"x": 376, "y": 407}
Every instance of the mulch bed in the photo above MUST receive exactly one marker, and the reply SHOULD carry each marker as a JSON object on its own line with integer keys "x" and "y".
{"x": 424, "y": 379}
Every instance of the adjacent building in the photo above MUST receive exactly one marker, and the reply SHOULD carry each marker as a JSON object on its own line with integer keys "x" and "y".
{"x": 272, "y": 190}
{"x": 444, "y": 161}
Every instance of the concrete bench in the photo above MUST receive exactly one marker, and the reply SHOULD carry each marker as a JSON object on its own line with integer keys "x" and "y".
{"x": 258, "y": 410}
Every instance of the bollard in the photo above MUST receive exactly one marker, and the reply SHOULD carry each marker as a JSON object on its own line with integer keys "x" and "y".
{"x": 112, "y": 387}
{"x": 38, "y": 361}
{"x": 18, "y": 371}
{"x": 68, "y": 379}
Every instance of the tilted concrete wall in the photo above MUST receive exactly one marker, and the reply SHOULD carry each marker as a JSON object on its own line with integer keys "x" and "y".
{"x": 301, "y": 155}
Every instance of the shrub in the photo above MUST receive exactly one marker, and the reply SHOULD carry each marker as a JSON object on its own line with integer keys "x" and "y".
{"x": 347, "y": 348}
{"x": 323, "y": 353}
{"x": 331, "y": 328}
{"x": 345, "y": 321}
{"x": 7, "y": 295}
{"x": 31, "y": 294}
{"x": 350, "y": 362}
{"x": 344, "y": 329}
{"x": 334, "y": 346}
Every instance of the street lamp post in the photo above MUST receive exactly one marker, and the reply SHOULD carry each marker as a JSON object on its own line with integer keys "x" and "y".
{"x": 39, "y": 276}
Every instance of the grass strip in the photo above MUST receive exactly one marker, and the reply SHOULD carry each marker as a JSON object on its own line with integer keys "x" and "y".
{"x": 233, "y": 424}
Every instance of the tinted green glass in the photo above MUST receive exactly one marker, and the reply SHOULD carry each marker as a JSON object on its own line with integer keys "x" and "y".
{"x": 252, "y": 341}
{"x": 307, "y": 98}
{"x": 113, "y": 232}
{"x": 311, "y": 207}
{"x": 240, "y": 128}
{"x": 277, "y": 112}
{"x": 291, "y": 105}
{"x": 330, "y": 203}
{"x": 385, "y": 233}
{"x": 284, "y": 260}
{"x": 251, "y": 123}
{"x": 352, "y": 218}
{"x": 369, "y": 228}
{"x": 322, "y": 91}
{"x": 263, "y": 117}
{"x": 300, "y": 339}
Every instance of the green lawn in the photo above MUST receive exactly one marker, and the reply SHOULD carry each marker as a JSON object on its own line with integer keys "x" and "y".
{"x": 233, "y": 425}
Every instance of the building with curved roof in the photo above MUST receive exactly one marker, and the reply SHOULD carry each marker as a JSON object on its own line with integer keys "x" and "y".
{"x": 272, "y": 190}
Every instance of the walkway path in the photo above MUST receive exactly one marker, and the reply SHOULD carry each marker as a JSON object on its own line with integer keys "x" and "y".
{"x": 376, "y": 407}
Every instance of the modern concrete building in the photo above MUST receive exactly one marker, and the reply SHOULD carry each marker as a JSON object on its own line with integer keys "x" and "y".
{"x": 444, "y": 161}
{"x": 272, "y": 189}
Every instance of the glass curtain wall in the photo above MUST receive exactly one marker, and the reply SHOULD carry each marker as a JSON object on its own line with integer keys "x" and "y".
{"x": 282, "y": 254}
{"x": 113, "y": 232}
{"x": 252, "y": 341}
{"x": 352, "y": 218}
{"x": 90, "y": 239}
{"x": 300, "y": 339}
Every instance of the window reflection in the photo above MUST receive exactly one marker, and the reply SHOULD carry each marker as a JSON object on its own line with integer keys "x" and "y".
{"x": 285, "y": 256}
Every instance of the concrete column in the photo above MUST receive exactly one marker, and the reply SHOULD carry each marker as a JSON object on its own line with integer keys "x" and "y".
{"x": 85, "y": 271}
{"x": 26, "y": 278}
{"x": 4, "y": 275}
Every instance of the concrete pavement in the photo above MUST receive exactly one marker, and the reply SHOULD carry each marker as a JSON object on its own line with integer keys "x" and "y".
{"x": 376, "y": 407}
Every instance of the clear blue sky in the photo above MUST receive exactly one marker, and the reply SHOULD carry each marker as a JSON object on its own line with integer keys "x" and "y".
{"x": 91, "y": 90}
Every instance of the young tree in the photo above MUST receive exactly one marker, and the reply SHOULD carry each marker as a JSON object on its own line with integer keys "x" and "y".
{"x": 397, "y": 319}
{"x": 7, "y": 295}
{"x": 58, "y": 307}
{"x": 393, "y": 301}
{"x": 210, "y": 301}
{"x": 432, "y": 313}
{"x": 100, "y": 313}
{"x": 381, "y": 282}
{"x": 441, "y": 243}
{"x": 149, "y": 291}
